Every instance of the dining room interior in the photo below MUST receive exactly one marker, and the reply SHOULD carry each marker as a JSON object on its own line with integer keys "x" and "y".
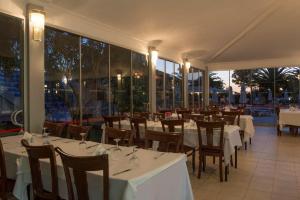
{"x": 149, "y": 100}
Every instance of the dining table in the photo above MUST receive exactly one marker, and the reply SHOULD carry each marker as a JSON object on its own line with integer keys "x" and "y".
{"x": 289, "y": 117}
{"x": 142, "y": 175}
{"x": 232, "y": 138}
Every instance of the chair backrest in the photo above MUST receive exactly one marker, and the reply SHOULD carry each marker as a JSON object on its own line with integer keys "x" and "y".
{"x": 166, "y": 140}
{"x": 35, "y": 153}
{"x": 210, "y": 132}
{"x": 125, "y": 136}
{"x": 55, "y": 129}
{"x": 80, "y": 165}
{"x": 109, "y": 121}
{"x": 172, "y": 124}
{"x": 230, "y": 117}
{"x": 135, "y": 123}
{"x": 165, "y": 110}
{"x": 141, "y": 114}
{"x": 73, "y": 131}
{"x": 183, "y": 114}
{"x": 160, "y": 116}
{"x": 3, "y": 177}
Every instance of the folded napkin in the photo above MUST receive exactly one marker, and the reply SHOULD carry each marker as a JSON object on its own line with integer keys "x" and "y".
{"x": 27, "y": 136}
{"x": 100, "y": 150}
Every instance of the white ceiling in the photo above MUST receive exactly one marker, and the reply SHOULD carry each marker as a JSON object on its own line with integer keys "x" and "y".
{"x": 209, "y": 30}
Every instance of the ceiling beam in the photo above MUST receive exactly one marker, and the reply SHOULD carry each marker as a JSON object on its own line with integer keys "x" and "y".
{"x": 251, "y": 26}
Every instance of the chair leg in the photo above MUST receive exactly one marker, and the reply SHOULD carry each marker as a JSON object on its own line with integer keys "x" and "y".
{"x": 231, "y": 161}
{"x": 194, "y": 160}
{"x": 235, "y": 157}
{"x": 221, "y": 168}
{"x": 204, "y": 162}
{"x": 226, "y": 172}
{"x": 199, "y": 168}
{"x": 250, "y": 141}
{"x": 245, "y": 145}
{"x": 214, "y": 159}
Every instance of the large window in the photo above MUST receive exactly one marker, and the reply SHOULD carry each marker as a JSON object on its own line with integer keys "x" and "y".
{"x": 258, "y": 89}
{"x": 86, "y": 79}
{"x": 140, "y": 82}
{"x": 61, "y": 75}
{"x": 94, "y": 78}
{"x": 195, "y": 88}
{"x": 168, "y": 85}
{"x": 120, "y": 62}
{"x": 11, "y": 67}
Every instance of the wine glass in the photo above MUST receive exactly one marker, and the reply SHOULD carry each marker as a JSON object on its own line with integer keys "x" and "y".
{"x": 133, "y": 155}
{"x": 117, "y": 148}
{"x": 82, "y": 139}
{"x": 45, "y": 136}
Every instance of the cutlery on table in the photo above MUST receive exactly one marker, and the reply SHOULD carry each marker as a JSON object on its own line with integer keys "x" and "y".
{"x": 57, "y": 139}
{"x": 160, "y": 155}
{"x": 91, "y": 146}
{"x": 131, "y": 152}
{"x": 121, "y": 172}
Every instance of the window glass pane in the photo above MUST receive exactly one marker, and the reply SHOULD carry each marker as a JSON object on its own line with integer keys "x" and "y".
{"x": 240, "y": 83}
{"x": 120, "y": 62}
{"x": 11, "y": 66}
{"x": 169, "y": 84}
{"x": 140, "y": 82}
{"x": 61, "y": 75}
{"x": 178, "y": 86}
{"x": 160, "y": 68}
{"x": 218, "y": 85}
{"x": 94, "y": 73}
{"x": 190, "y": 88}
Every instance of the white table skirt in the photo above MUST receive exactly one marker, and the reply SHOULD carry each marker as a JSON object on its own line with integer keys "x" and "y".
{"x": 149, "y": 178}
{"x": 231, "y": 135}
{"x": 287, "y": 117}
{"x": 246, "y": 124}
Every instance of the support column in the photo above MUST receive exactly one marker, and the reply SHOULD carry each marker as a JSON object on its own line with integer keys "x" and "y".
{"x": 34, "y": 83}
{"x": 152, "y": 83}
{"x": 185, "y": 69}
{"x": 206, "y": 87}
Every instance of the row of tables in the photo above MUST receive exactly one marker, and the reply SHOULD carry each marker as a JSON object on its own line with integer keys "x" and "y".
{"x": 151, "y": 175}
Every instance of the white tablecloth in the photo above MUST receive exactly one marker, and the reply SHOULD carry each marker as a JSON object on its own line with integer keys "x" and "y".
{"x": 149, "y": 178}
{"x": 287, "y": 117}
{"x": 231, "y": 135}
{"x": 246, "y": 124}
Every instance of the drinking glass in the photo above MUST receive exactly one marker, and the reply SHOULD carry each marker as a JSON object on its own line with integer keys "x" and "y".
{"x": 117, "y": 148}
{"x": 133, "y": 155}
{"x": 82, "y": 139}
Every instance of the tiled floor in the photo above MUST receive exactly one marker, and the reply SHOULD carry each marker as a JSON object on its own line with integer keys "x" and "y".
{"x": 269, "y": 169}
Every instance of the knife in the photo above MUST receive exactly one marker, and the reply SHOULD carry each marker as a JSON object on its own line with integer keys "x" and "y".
{"x": 121, "y": 172}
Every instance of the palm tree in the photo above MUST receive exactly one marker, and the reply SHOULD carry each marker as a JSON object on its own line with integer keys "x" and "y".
{"x": 215, "y": 81}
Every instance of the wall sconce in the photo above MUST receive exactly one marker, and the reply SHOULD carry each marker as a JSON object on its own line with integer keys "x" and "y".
{"x": 153, "y": 54}
{"x": 37, "y": 19}
{"x": 187, "y": 64}
{"x": 119, "y": 77}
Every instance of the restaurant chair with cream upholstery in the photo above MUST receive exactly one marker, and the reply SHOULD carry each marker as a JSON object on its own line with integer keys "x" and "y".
{"x": 170, "y": 142}
{"x": 6, "y": 185}
{"x": 74, "y": 131}
{"x": 125, "y": 136}
{"x": 80, "y": 165}
{"x": 54, "y": 129}
{"x": 138, "y": 125}
{"x": 35, "y": 154}
{"x": 213, "y": 135}
{"x": 170, "y": 126}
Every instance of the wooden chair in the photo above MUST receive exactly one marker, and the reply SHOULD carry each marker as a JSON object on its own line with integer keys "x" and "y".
{"x": 170, "y": 142}
{"x": 136, "y": 123}
{"x": 125, "y": 136}
{"x": 55, "y": 129}
{"x": 197, "y": 117}
{"x": 80, "y": 165}
{"x": 6, "y": 185}
{"x": 209, "y": 149}
{"x": 35, "y": 153}
{"x": 207, "y": 114}
{"x": 73, "y": 131}
{"x": 159, "y": 116}
{"x": 171, "y": 125}
{"x": 141, "y": 114}
{"x": 109, "y": 121}
{"x": 183, "y": 114}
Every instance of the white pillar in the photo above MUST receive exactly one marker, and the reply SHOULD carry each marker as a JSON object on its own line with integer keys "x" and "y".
{"x": 152, "y": 83}
{"x": 34, "y": 74}
{"x": 206, "y": 87}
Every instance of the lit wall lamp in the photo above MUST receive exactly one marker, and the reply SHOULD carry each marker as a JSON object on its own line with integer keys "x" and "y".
{"x": 37, "y": 19}
{"x": 187, "y": 64}
{"x": 153, "y": 54}
{"x": 119, "y": 77}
